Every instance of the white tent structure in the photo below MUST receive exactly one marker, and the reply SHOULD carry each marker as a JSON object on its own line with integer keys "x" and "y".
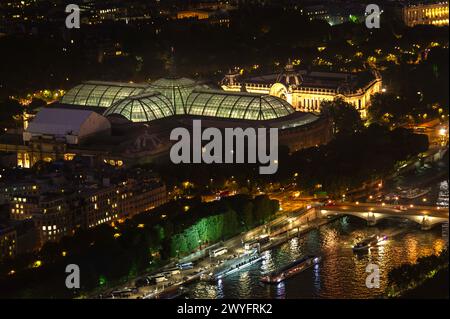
{"x": 73, "y": 125}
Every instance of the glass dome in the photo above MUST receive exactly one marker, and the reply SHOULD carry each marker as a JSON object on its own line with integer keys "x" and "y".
{"x": 142, "y": 108}
{"x": 101, "y": 94}
{"x": 237, "y": 105}
{"x": 176, "y": 90}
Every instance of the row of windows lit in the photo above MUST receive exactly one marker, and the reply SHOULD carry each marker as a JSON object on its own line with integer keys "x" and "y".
{"x": 113, "y": 162}
{"x": 50, "y": 227}
{"x": 102, "y": 221}
{"x": 50, "y": 233}
{"x": 307, "y": 89}
{"x": 34, "y": 187}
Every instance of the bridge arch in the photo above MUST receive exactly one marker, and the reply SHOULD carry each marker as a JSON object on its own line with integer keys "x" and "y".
{"x": 425, "y": 221}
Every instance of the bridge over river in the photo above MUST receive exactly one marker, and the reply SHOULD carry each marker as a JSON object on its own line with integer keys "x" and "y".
{"x": 426, "y": 216}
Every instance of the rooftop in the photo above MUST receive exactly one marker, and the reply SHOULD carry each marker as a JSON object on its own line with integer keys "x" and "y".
{"x": 59, "y": 121}
{"x": 143, "y": 107}
{"x": 237, "y": 105}
{"x": 101, "y": 94}
{"x": 176, "y": 90}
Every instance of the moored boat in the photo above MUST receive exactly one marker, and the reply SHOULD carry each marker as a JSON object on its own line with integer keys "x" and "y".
{"x": 234, "y": 265}
{"x": 290, "y": 269}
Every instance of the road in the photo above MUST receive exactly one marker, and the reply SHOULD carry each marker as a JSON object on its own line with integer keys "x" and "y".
{"x": 287, "y": 224}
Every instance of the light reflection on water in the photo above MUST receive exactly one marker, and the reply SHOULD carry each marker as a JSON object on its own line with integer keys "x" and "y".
{"x": 281, "y": 290}
{"x": 341, "y": 274}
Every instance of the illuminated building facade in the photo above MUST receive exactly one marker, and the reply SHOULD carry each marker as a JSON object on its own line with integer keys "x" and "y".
{"x": 317, "y": 12}
{"x": 22, "y": 207}
{"x": 432, "y": 14}
{"x": 62, "y": 215}
{"x": 215, "y": 17}
{"x": 8, "y": 242}
{"x": 193, "y": 14}
{"x": 58, "y": 210}
{"x": 53, "y": 216}
{"x": 306, "y": 90}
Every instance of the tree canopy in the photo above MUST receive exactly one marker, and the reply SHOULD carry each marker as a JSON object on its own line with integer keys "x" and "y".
{"x": 346, "y": 119}
{"x": 8, "y": 109}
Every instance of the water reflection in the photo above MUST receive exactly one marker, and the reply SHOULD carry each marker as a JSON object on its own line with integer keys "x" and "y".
{"x": 293, "y": 245}
{"x": 244, "y": 287}
{"x": 316, "y": 277}
{"x": 267, "y": 263}
{"x": 219, "y": 291}
{"x": 341, "y": 274}
{"x": 281, "y": 290}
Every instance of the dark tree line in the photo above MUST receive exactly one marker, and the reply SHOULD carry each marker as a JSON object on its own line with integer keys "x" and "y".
{"x": 350, "y": 160}
{"x": 356, "y": 155}
{"x": 410, "y": 276}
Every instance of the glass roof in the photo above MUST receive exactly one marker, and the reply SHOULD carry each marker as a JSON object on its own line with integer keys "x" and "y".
{"x": 170, "y": 96}
{"x": 305, "y": 119}
{"x": 142, "y": 108}
{"x": 176, "y": 90}
{"x": 102, "y": 94}
{"x": 237, "y": 105}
